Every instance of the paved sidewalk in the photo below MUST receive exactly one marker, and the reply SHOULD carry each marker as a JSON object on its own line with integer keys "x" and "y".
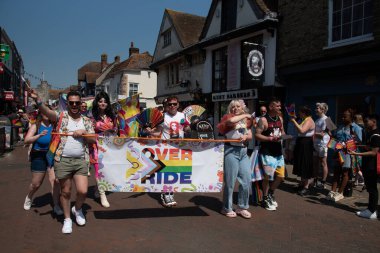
{"x": 136, "y": 222}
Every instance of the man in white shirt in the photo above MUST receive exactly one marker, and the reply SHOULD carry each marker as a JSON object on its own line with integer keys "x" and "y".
{"x": 174, "y": 126}
{"x": 71, "y": 159}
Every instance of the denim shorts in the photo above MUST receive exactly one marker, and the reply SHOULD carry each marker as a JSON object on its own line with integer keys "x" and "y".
{"x": 38, "y": 161}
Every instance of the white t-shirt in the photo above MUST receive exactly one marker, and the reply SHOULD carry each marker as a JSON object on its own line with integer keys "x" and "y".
{"x": 320, "y": 126}
{"x": 173, "y": 126}
{"x": 235, "y": 134}
{"x": 74, "y": 147}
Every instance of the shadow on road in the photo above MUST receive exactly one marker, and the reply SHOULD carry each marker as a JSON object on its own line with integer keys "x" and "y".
{"x": 149, "y": 213}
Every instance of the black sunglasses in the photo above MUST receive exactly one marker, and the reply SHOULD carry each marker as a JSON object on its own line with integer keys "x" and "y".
{"x": 74, "y": 103}
{"x": 172, "y": 104}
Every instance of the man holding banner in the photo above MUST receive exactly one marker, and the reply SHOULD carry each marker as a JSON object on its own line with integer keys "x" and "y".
{"x": 70, "y": 151}
{"x": 173, "y": 127}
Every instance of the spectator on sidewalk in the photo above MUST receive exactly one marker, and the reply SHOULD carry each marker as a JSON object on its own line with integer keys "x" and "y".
{"x": 321, "y": 138}
{"x": 369, "y": 168}
{"x": 268, "y": 131}
{"x": 71, "y": 158}
{"x": 343, "y": 169}
{"x": 39, "y": 136}
{"x": 303, "y": 151}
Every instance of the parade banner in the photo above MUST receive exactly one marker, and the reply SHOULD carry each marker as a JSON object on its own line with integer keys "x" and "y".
{"x": 143, "y": 165}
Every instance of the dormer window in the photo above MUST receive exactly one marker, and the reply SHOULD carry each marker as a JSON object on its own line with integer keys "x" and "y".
{"x": 167, "y": 35}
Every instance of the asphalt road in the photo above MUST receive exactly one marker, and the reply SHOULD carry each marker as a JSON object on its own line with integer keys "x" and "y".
{"x": 136, "y": 222}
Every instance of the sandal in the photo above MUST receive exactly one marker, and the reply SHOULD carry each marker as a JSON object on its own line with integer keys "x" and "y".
{"x": 230, "y": 214}
{"x": 243, "y": 213}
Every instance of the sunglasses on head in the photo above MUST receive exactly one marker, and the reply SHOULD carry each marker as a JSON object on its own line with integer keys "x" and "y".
{"x": 172, "y": 104}
{"x": 74, "y": 103}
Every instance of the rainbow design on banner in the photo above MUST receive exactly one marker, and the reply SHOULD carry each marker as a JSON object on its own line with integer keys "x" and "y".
{"x": 341, "y": 157}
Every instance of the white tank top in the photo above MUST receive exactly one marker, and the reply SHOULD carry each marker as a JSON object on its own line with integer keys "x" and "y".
{"x": 74, "y": 147}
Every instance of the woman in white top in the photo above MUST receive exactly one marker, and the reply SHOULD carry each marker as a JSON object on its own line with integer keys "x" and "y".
{"x": 303, "y": 150}
{"x": 321, "y": 138}
{"x": 236, "y": 125}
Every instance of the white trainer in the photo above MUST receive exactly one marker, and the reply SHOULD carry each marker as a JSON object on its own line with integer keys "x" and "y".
{"x": 79, "y": 217}
{"x": 67, "y": 226}
{"x": 367, "y": 214}
{"x": 27, "y": 203}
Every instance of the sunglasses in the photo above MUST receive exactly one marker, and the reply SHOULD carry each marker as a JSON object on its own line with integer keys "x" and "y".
{"x": 172, "y": 104}
{"x": 72, "y": 103}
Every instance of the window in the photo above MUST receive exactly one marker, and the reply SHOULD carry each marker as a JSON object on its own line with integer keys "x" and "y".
{"x": 172, "y": 77}
{"x": 167, "y": 35}
{"x": 133, "y": 89}
{"x": 350, "y": 21}
{"x": 229, "y": 8}
{"x": 219, "y": 69}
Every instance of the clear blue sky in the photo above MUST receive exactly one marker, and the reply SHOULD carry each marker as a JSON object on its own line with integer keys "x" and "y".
{"x": 59, "y": 36}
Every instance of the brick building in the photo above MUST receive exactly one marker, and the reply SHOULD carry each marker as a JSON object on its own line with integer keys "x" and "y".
{"x": 329, "y": 51}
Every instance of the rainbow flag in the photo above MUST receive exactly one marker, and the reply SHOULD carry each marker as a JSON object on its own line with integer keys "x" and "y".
{"x": 351, "y": 145}
{"x": 257, "y": 193}
{"x": 341, "y": 157}
{"x": 126, "y": 116}
{"x": 291, "y": 110}
{"x": 332, "y": 143}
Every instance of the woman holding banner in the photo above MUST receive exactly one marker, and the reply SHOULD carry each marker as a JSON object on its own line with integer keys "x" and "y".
{"x": 104, "y": 122}
{"x": 236, "y": 125}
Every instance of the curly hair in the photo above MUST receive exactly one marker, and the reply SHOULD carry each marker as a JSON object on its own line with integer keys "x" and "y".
{"x": 95, "y": 107}
{"x": 237, "y": 101}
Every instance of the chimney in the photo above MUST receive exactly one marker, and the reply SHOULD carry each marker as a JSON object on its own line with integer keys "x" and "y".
{"x": 133, "y": 50}
{"x": 117, "y": 59}
{"x": 103, "y": 61}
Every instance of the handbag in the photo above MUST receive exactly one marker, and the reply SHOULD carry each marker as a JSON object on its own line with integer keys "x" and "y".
{"x": 55, "y": 139}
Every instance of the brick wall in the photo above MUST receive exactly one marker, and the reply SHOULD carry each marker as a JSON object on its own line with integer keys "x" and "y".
{"x": 303, "y": 33}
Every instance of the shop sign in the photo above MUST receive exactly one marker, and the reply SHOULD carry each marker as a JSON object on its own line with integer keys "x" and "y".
{"x": 9, "y": 96}
{"x": 238, "y": 94}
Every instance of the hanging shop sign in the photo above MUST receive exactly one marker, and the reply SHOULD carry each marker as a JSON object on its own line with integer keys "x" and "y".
{"x": 9, "y": 96}
{"x": 238, "y": 94}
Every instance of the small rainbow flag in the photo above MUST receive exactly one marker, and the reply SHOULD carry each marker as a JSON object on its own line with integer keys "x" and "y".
{"x": 291, "y": 110}
{"x": 351, "y": 145}
{"x": 332, "y": 143}
{"x": 341, "y": 157}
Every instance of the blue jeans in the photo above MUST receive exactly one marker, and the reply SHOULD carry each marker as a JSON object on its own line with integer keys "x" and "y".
{"x": 236, "y": 165}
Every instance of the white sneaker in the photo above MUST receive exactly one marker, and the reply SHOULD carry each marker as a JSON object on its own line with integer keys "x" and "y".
{"x": 172, "y": 201}
{"x": 338, "y": 196}
{"x": 79, "y": 217}
{"x": 57, "y": 210}
{"x": 103, "y": 200}
{"x": 27, "y": 203}
{"x": 367, "y": 214}
{"x": 166, "y": 200}
{"x": 67, "y": 226}
{"x": 330, "y": 195}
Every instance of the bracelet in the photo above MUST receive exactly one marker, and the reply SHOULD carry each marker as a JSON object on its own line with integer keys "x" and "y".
{"x": 39, "y": 103}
